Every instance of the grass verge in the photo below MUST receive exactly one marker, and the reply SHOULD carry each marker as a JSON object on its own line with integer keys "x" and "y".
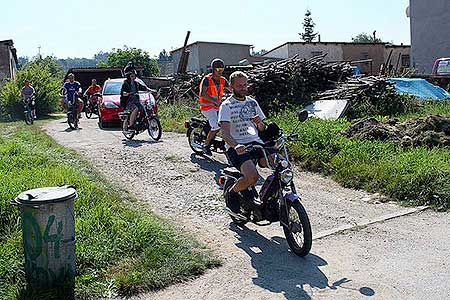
{"x": 174, "y": 115}
{"x": 415, "y": 176}
{"x": 122, "y": 248}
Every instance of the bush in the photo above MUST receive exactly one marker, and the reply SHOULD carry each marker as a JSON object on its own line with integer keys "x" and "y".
{"x": 46, "y": 86}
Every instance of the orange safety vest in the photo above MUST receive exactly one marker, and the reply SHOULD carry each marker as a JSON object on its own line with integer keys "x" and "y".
{"x": 205, "y": 104}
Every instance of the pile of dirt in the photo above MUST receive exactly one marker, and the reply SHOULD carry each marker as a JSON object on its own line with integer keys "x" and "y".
{"x": 430, "y": 131}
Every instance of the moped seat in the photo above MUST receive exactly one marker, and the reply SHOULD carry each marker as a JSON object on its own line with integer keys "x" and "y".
{"x": 198, "y": 120}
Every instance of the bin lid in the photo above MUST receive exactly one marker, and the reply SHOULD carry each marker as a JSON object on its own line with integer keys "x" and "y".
{"x": 46, "y": 195}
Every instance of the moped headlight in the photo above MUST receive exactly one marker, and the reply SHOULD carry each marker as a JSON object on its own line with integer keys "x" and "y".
{"x": 286, "y": 176}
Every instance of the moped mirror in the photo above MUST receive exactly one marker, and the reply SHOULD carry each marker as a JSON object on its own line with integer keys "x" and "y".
{"x": 302, "y": 115}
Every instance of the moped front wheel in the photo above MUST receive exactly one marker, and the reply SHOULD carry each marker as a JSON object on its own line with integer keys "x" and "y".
{"x": 88, "y": 111}
{"x": 129, "y": 134}
{"x": 298, "y": 230}
{"x": 154, "y": 128}
{"x": 72, "y": 121}
{"x": 29, "y": 117}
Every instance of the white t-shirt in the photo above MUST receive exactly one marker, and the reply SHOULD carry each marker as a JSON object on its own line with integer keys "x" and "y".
{"x": 240, "y": 114}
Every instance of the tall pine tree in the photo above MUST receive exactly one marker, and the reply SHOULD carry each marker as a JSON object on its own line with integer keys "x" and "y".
{"x": 308, "y": 25}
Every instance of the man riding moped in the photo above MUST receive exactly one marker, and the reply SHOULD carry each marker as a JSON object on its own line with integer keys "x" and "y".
{"x": 211, "y": 94}
{"x": 241, "y": 121}
{"x": 129, "y": 97}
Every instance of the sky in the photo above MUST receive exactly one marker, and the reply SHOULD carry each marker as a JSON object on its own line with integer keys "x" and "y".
{"x": 82, "y": 28}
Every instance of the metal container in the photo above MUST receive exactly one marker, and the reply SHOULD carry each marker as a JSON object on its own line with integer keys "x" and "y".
{"x": 48, "y": 227}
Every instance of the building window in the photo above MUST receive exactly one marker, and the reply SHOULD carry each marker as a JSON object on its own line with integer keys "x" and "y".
{"x": 405, "y": 60}
{"x": 316, "y": 53}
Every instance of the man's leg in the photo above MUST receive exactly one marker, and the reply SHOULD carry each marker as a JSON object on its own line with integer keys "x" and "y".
{"x": 211, "y": 135}
{"x": 213, "y": 120}
{"x": 249, "y": 178}
{"x": 80, "y": 107}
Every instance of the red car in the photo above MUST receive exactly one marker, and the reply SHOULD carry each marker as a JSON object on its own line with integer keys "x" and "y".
{"x": 109, "y": 106}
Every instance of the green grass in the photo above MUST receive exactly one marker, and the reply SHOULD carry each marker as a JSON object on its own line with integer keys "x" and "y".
{"x": 413, "y": 176}
{"x": 122, "y": 248}
{"x": 173, "y": 116}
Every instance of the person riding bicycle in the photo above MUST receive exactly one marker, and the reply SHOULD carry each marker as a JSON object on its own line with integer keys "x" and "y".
{"x": 241, "y": 121}
{"x": 28, "y": 94}
{"x": 73, "y": 87}
{"x": 212, "y": 89}
{"x": 129, "y": 97}
{"x": 91, "y": 90}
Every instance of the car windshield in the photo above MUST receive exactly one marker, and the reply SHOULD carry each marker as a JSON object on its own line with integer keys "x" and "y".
{"x": 443, "y": 67}
{"x": 113, "y": 88}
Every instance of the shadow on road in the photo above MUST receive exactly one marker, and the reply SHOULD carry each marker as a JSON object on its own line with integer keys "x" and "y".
{"x": 208, "y": 164}
{"x": 68, "y": 129}
{"x": 137, "y": 143}
{"x": 281, "y": 271}
{"x": 213, "y": 165}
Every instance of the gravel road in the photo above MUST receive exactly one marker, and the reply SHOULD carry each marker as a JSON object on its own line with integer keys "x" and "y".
{"x": 404, "y": 257}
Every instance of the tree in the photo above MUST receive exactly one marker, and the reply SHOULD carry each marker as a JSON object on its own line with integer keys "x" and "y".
{"x": 118, "y": 58}
{"x": 49, "y": 62}
{"x": 308, "y": 25}
{"x": 365, "y": 38}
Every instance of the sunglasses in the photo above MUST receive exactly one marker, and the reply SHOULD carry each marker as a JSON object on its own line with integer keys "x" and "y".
{"x": 219, "y": 69}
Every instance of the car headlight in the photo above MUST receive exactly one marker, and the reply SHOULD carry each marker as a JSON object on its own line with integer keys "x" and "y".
{"x": 286, "y": 176}
{"x": 110, "y": 105}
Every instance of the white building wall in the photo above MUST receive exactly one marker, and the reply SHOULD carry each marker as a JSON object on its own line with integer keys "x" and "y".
{"x": 334, "y": 52}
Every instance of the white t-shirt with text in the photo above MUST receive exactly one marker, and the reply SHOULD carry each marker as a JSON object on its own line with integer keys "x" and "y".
{"x": 240, "y": 114}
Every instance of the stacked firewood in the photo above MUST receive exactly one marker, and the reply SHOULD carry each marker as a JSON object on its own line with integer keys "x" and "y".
{"x": 372, "y": 95}
{"x": 278, "y": 84}
{"x": 182, "y": 87}
{"x": 353, "y": 88}
{"x": 294, "y": 81}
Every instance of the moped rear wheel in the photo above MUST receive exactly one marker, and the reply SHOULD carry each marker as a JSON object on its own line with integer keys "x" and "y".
{"x": 226, "y": 188}
{"x": 298, "y": 232}
{"x": 196, "y": 139}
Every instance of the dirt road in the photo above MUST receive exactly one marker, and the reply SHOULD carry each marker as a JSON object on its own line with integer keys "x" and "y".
{"x": 405, "y": 257}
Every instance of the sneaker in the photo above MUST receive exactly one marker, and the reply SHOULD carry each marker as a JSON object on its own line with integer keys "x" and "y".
{"x": 232, "y": 201}
{"x": 207, "y": 150}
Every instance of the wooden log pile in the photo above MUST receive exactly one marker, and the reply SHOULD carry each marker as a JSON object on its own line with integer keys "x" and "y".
{"x": 294, "y": 81}
{"x": 276, "y": 85}
{"x": 372, "y": 95}
{"x": 354, "y": 88}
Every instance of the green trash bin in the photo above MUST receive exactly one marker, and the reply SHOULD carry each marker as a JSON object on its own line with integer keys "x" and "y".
{"x": 48, "y": 227}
